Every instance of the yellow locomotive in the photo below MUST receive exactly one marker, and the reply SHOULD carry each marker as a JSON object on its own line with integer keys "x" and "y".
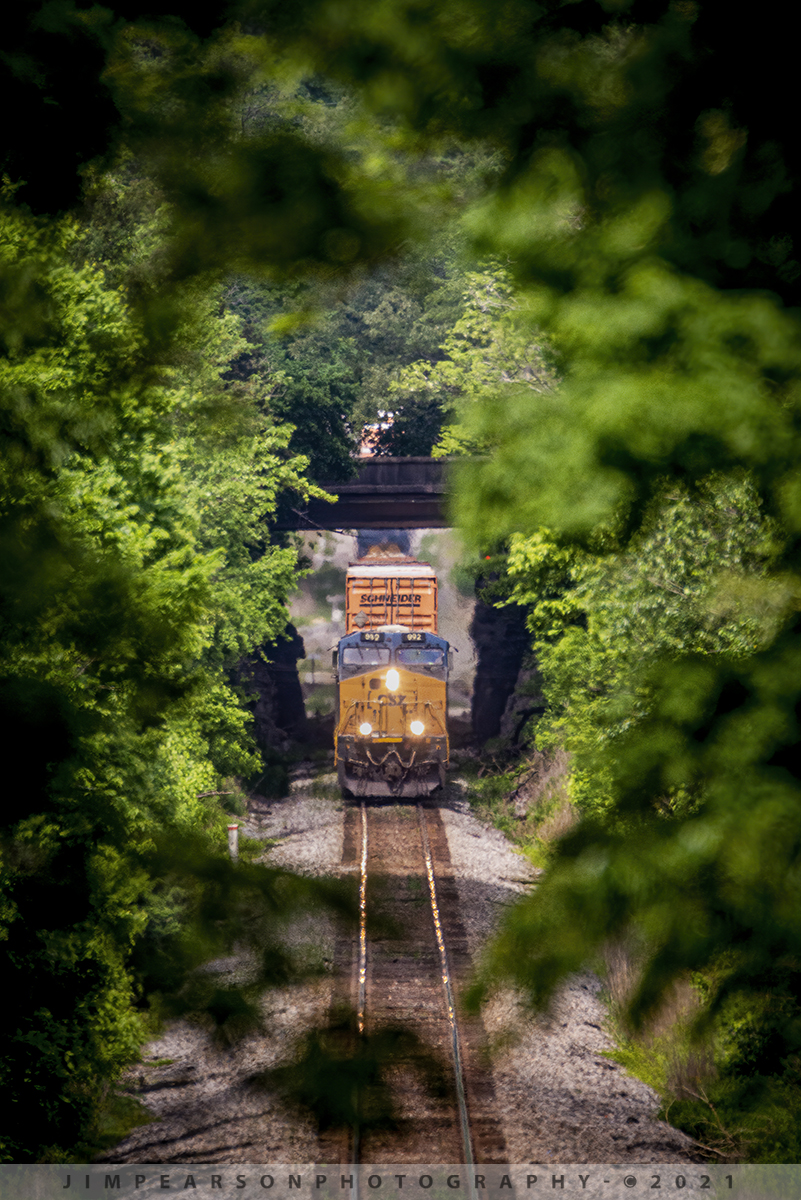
{"x": 391, "y": 734}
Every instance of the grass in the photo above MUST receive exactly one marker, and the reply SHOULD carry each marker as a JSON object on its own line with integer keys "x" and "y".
{"x": 708, "y": 1087}
{"x": 726, "y": 1123}
{"x": 118, "y": 1116}
{"x": 322, "y": 789}
{"x": 252, "y": 849}
{"x": 527, "y": 802}
{"x": 321, "y": 699}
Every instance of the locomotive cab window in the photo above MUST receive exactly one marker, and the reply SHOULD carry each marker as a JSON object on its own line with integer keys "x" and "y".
{"x": 421, "y": 656}
{"x": 361, "y": 658}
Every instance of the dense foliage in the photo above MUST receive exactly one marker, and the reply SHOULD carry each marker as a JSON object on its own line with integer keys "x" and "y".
{"x": 691, "y": 582}
{"x": 135, "y": 571}
{"x": 332, "y": 371}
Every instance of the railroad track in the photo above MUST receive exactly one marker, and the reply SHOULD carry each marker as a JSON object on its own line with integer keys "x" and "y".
{"x": 405, "y": 971}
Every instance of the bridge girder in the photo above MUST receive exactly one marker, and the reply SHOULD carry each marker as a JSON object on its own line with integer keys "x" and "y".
{"x": 388, "y": 493}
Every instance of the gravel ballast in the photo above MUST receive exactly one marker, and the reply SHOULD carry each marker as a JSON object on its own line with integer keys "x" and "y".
{"x": 558, "y": 1098}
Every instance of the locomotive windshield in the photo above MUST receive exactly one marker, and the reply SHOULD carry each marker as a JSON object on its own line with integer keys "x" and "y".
{"x": 420, "y": 656}
{"x": 361, "y": 657}
{"x": 365, "y": 655}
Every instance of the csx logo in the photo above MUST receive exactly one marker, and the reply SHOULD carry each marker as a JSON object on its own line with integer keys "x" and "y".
{"x": 388, "y": 598}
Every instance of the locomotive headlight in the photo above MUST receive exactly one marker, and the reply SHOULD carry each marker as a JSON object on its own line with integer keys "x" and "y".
{"x": 417, "y": 727}
{"x": 393, "y": 680}
{"x": 365, "y": 728}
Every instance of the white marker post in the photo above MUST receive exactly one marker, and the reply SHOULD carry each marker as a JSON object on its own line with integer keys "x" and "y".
{"x": 233, "y": 841}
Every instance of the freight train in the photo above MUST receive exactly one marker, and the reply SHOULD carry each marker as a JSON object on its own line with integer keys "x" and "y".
{"x": 391, "y": 732}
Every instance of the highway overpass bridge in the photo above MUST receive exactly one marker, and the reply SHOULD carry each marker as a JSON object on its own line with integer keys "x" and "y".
{"x": 387, "y": 493}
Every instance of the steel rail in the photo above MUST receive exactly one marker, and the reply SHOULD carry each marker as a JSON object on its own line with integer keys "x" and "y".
{"x": 464, "y": 1120}
{"x": 362, "y": 991}
{"x": 361, "y": 1004}
{"x": 361, "y": 995}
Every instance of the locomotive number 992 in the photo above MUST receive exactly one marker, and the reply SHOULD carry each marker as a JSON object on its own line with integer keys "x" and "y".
{"x": 391, "y": 737}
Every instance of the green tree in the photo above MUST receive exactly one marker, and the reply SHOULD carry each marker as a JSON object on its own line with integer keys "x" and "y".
{"x": 136, "y": 570}
{"x": 489, "y": 349}
{"x": 696, "y": 581}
